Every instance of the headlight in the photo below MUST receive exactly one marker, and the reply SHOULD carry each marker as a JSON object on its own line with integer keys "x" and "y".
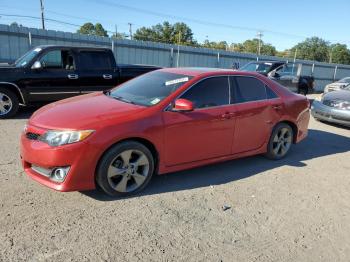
{"x": 59, "y": 138}
{"x": 340, "y": 104}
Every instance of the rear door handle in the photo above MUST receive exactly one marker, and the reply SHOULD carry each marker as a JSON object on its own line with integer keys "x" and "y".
{"x": 277, "y": 107}
{"x": 73, "y": 76}
{"x": 107, "y": 76}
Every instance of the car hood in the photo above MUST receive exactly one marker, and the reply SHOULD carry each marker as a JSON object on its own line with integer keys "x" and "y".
{"x": 83, "y": 112}
{"x": 337, "y": 95}
{"x": 338, "y": 85}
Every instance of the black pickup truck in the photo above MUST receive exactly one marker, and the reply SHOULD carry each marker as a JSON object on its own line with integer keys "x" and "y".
{"x": 50, "y": 73}
{"x": 287, "y": 74}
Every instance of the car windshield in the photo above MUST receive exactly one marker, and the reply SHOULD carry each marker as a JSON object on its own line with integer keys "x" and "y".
{"x": 257, "y": 67}
{"x": 27, "y": 57}
{"x": 345, "y": 80}
{"x": 149, "y": 89}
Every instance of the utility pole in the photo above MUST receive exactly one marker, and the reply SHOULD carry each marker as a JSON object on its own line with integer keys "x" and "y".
{"x": 130, "y": 30}
{"x": 178, "y": 50}
{"x": 116, "y": 31}
{"x": 259, "y": 35}
{"x": 42, "y": 14}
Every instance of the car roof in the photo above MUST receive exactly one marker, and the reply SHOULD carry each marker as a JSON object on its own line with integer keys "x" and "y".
{"x": 205, "y": 71}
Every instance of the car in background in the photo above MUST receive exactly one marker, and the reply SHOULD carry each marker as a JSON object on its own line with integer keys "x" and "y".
{"x": 338, "y": 85}
{"x": 287, "y": 74}
{"x": 163, "y": 121}
{"x": 333, "y": 107}
{"x": 50, "y": 73}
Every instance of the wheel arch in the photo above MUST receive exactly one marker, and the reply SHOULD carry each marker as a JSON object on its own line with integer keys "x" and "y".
{"x": 15, "y": 89}
{"x": 293, "y": 126}
{"x": 147, "y": 143}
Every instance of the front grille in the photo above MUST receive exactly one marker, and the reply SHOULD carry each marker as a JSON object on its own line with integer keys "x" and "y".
{"x": 32, "y": 136}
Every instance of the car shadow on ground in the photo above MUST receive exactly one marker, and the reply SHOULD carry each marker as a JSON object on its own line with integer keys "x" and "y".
{"x": 318, "y": 144}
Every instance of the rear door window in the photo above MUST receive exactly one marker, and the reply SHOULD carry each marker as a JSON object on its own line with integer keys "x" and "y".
{"x": 247, "y": 89}
{"x": 209, "y": 92}
{"x": 95, "y": 60}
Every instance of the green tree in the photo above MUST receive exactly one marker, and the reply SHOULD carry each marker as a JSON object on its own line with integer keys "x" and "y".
{"x": 339, "y": 54}
{"x": 313, "y": 48}
{"x": 166, "y": 33}
{"x": 251, "y": 46}
{"x": 90, "y": 29}
{"x": 215, "y": 45}
{"x": 99, "y": 30}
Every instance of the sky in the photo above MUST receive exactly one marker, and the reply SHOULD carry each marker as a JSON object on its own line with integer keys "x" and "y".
{"x": 282, "y": 23}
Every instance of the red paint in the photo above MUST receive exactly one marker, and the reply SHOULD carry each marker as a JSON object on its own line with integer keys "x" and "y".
{"x": 182, "y": 139}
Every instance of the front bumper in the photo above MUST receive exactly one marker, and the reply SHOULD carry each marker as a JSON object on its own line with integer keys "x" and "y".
{"x": 81, "y": 157}
{"x": 330, "y": 114}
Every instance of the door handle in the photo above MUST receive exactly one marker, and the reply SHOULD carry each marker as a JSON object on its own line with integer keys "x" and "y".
{"x": 228, "y": 115}
{"x": 277, "y": 107}
{"x": 73, "y": 76}
{"x": 107, "y": 76}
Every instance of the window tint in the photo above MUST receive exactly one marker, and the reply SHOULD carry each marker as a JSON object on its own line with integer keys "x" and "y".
{"x": 269, "y": 93}
{"x": 52, "y": 59}
{"x": 209, "y": 92}
{"x": 95, "y": 60}
{"x": 247, "y": 89}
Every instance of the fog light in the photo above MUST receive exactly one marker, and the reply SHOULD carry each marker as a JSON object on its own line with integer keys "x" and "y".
{"x": 59, "y": 174}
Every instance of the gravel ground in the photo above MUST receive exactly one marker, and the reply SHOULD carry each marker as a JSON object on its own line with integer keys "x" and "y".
{"x": 296, "y": 209}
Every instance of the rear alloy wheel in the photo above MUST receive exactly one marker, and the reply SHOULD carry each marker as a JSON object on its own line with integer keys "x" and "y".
{"x": 280, "y": 141}
{"x": 125, "y": 169}
{"x": 9, "y": 103}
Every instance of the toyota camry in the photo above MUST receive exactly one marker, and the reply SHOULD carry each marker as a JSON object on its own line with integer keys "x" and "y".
{"x": 164, "y": 121}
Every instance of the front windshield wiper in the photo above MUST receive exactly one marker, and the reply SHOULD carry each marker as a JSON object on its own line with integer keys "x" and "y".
{"x": 123, "y": 99}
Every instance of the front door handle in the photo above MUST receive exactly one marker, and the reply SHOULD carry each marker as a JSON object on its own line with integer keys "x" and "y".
{"x": 107, "y": 76}
{"x": 73, "y": 76}
{"x": 228, "y": 115}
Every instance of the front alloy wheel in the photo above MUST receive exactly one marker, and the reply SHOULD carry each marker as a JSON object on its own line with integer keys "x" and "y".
{"x": 125, "y": 169}
{"x": 9, "y": 103}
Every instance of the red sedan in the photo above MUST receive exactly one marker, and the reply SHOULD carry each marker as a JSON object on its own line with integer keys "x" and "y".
{"x": 160, "y": 122}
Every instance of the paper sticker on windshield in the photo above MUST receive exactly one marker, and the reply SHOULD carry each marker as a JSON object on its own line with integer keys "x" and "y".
{"x": 38, "y": 49}
{"x": 155, "y": 101}
{"x": 176, "y": 81}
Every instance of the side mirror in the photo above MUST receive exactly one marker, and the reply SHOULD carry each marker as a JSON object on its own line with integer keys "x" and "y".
{"x": 37, "y": 65}
{"x": 182, "y": 105}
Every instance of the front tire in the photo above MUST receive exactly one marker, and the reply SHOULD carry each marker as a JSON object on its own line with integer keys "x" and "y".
{"x": 125, "y": 169}
{"x": 9, "y": 103}
{"x": 280, "y": 141}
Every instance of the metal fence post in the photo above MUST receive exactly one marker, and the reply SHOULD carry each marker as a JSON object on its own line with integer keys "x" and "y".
{"x": 218, "y": 65}
{"x": 171, "y": 57}
{"x": 30, "y": 39}
{"x": 335, "y": 72}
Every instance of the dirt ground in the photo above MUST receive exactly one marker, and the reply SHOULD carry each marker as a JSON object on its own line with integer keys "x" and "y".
{"x": 296, "y": 209}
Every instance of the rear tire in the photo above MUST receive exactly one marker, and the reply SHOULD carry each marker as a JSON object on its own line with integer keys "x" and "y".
{"x": 125, "y": 169}
{"x": 280, "y": 141}
{"x": 9, "y": 103}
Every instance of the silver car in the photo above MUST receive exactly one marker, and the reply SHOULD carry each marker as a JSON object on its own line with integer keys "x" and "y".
{"x": 339, "y": 85}
{"x": 333, "y": 107}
